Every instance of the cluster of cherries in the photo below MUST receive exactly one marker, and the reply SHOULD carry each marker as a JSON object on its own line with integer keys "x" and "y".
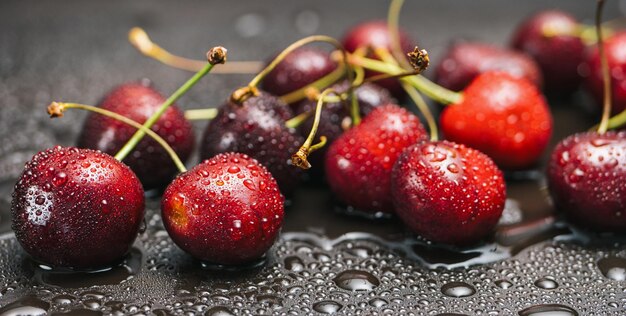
{"x": 82, "y": 208}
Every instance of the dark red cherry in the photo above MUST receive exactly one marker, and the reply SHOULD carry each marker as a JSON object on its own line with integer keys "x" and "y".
{"x": 149, "y": 160}
{"x": 615, "y": 51}
{"x": 300, "y": 68}
{"x": 256, "y": 127}
{"x": 464, "y": 61}
{"x": 448, "y": 192}
{"x": 76, "y": 208}
{"x": 558, "y": 56}
{"x": 226, "y": 210}
{"x": 586, "y": 178}
{"x": 359, "y": 162}
{"x": 335, "y": 114}
{"x": 376, "y": 34}
{"x": 505, "y": 117}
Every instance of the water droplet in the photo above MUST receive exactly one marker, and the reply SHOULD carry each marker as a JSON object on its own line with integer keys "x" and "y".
{"x": 219, "y": 311}
{"x": 26, "y": 306}
{"x": 613, "y": 268}
{"x": 355, "y": 280}
{"x": 458, "y": 289}
{"x": 294, "y": 263}
{"x": 327, "y": 307}
{"x": 548, "y": 310}
{"x": 249, "y": 184}
{"x": 503, "y": 284}
{"x": 60, "y": 179}
{"x": 378, "y": 302}
{"x": 233, "y": 169}
{"x": 546, "y": 284}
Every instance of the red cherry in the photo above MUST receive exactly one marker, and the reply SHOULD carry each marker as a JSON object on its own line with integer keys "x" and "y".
{"x": 507, "y": 118}
{"x": 586, "y": 177}
{"x": 226, "y": 210}
{"x": 359, "y": 162}
{"x": 256, "y": 127}
{"x": 149, "y": 160}
{"x": 448, "y": 192}
{"x": 559, "y": 56}
{"x": 300, "y": 68}
{"x": 376, "y": 34}
{"x": 77, "y": 208}
{"x": 465, "y": 60}
{"x": 615, "y": 51}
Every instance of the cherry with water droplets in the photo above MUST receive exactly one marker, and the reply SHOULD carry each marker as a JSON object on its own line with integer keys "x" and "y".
{"x": 226, "y": 210}
{"x": 77, "y": 208}
{"x": 358, "y": 164}
{"x": 463, "y": 61}
{"x": 300, "y": 68}
{"x": 256, "y": 127}
{"x": 138, "y": 101}
{"x": 586, "y": 176}
{"x": 375, "y": 34}
{"x": 448, "y": 192}
{"x": 549, "y": 38}
{"x": 505, "y": 117}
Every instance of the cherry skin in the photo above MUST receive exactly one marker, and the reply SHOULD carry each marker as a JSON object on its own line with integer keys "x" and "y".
{"x": 374, "y": 34}
{"x": 465, "y": 60}
{"x": 334, "y": 114}
{"x": 558, "y": 56}
{"x": 358, "y": 164}
{"x": 506, "y": 118}
{"x": 586, "y": 177}
{"x": 226, "y": 210}
{"x": 148, "y": 160}
{"x": 615, "y": 51}
{"x": 448, "y": 192}
{"x": 76, "y": 208}
{"x": 300, "y": 68}
{"x": 256, "y": 127}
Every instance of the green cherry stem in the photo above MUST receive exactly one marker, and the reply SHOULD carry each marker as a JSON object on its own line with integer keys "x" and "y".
{"x": 299, "y": 159}
{"x": 217, "y": 55}
{"x": 393, "y": 25}
{"x": 427, "y": 87}
{"x": 56, "y": 109}
{"x": 318, "y": 84}
{"x": 201, "y": 114}
{"x": 606, "y": 76}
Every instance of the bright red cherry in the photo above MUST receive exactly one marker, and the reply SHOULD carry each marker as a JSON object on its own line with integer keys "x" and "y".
{"x": 447, "y": 192}
{"x": 358, "y": 164}
{"x": 77, "y": 208}
{"x": 505, "y": 117}
{"x": 226, "y": 210}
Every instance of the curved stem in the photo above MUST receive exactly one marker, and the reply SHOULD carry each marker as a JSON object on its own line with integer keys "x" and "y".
{"x": 300, "y": 157}
{"x": 617, "y": 121}
{"x": 140, "y": 39}
{"x": 427, "y": 87}
{"x": 606, "y": 76}
{"x": 393, "y": 25}
{"x": 56, "y": 109}
{"x": 132, "y": 142}
{"x": 319, "y": 84}
{"x": 201, "y": 114}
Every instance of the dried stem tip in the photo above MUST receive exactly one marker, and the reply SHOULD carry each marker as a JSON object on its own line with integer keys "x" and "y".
{"x": 56, "y": 109}
{"x": 217, "y": 55}
{"x": 419, "y": 59}
{"x": 299, "y": 159}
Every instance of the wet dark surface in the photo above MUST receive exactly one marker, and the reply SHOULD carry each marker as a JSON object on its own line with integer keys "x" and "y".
{"x": 325, "y": 262}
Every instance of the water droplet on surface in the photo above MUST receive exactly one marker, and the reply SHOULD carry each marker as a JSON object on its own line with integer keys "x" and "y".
{"x": 355, "y": 280}
{"x": 458, "y": 289}
{"x": 219, "y": 311}
{"x": 546, "y": 284}
{"x": 294, "y": 263}
{"x": 613, "y": 268}
{"x": 503, "y": 284}
{"x": 548, "y": 310}
{"x": 327, "y": 307}
{"x": 29, "y": 305}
